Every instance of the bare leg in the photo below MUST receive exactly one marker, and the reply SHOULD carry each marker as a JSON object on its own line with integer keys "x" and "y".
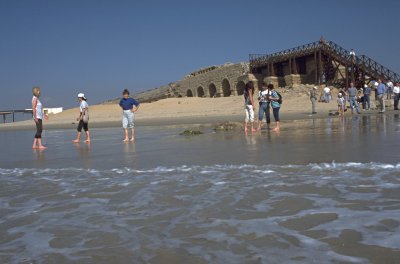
{"x": 277, "y": 127}
{"x": 78, "y": 138}
{"x": 133, "y": 135}
{"x": 34, "y": 146}
{"x": 259, "y": 125}
{"x": 245, "y": 126}
{"x": 252, "y": 127}
{"x": 40, "y": 146}
{"x": 126, "y": 137}
{"x": 87, "y": 137}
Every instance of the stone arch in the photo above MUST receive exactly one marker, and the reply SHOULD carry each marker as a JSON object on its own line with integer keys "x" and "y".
{"x": 200, "y": 91}
{"x": 189, "y": 93}
{"x": 226, "y": 88}
{"x": 212, "y": 89}
{"x": 240, "y": 88}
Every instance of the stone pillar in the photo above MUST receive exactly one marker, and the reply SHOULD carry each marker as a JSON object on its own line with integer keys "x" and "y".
{"x": 292, "y": 80}
{"x": 272, "y": 80}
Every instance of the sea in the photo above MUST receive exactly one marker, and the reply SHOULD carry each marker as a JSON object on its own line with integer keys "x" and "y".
{"x": 320, "y": 191}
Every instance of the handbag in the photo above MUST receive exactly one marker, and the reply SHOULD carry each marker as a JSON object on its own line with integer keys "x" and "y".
{"x": 85, "y": 117}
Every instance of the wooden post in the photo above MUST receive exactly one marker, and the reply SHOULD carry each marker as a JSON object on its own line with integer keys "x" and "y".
{"x": 13, "y": 112}
{"x": 290, "y": 65}
{"x": 347, "y": 76}
{"x": 319, "y": 67}
{"x": 316, "y": 67}
{"x": 294, "y": 66}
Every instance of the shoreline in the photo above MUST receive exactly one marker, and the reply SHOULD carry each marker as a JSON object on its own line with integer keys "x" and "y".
{"x": 178, "y": 121}
{"x": 187, "y": 112}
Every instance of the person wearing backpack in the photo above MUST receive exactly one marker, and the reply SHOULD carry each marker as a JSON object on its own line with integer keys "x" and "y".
{"x": 276, "y": 101}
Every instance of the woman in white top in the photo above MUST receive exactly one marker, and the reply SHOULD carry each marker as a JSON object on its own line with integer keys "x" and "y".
{"x": 38, "y": 115}
{"x": 83, "y": 119}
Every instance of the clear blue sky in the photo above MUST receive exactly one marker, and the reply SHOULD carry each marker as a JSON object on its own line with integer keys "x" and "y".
{"x": 101, "y": 47}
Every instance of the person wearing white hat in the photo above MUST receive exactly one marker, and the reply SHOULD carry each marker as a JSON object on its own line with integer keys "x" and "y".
{"x": 340, "y": 102}
{"x": 313, "y": 98}
{"x": 83, "y": 119}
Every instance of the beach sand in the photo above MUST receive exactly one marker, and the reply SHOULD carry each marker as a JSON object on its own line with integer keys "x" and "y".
{"x": 188, "y": 110}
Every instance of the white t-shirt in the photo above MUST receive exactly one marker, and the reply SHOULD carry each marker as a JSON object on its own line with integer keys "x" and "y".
{"x": 39, "y": 108}
{"x": 263, "y": 96}
{"x": 389, "y": 84}
{"x": 327, "y": 90}
{"x": 396, "y": 89}
{"x": 83, "y": 105}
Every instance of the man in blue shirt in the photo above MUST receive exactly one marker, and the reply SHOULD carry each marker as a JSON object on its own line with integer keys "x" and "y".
{"x": 129, "y": 107}
{"x": 380, "y": 91}
{"x": 366, "y": 98}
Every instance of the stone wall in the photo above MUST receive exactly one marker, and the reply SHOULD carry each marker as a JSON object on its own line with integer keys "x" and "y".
{"x": 224, "y": 80}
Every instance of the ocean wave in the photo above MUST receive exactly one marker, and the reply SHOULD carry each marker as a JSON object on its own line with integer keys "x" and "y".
{"x": 206, "y": 169}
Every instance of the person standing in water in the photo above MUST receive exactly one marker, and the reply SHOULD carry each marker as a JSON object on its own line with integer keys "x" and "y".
{"x": 249, "y": 106}
{"x": 313, "y": 98}
{"x": 276, "y": 106}
{"x": 263, "y": 106}
{"x": 129, "y": 107}
{"x": 83, "y": 119}
{"x": 38, "y": 115}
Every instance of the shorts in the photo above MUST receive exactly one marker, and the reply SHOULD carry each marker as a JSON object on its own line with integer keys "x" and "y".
{"x": 83, "y": 125}
{"x": 128, "y": 118}
{"x": 249, "y": 113}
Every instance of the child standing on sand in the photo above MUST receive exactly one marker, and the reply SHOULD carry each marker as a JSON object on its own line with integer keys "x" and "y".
{"x": 83, "y": 119}
{"x": 340, "y": 102}
{"x": 129, "y": 107}
{"x": 38, "y": 115}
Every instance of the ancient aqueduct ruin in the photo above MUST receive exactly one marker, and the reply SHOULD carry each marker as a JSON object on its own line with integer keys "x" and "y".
{"x": 315, "y": 64}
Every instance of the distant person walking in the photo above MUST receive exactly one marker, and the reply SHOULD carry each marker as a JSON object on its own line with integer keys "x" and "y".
{"x": 264, "y": 106}
{"x": 396, "y": 94}
{"x": 276, "y": 105}
{"x": 249, "y": 106}
{"x": 129, "y": 107}
{"x": 313, "y": 99}
{"x": 367, "y": 97}
{"x": 83, "y": 119}
{"x": 380, "y": 91}
{"x": 353, "y": 98}
{"x": 38, "y": 115}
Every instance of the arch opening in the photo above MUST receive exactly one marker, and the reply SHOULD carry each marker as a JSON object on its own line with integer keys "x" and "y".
{"x": 240, "y": 88}
{"x": 212, "y": 90}
{"x": 189, "y": 93}
{"x": 200, "y": 91}
{"x": 226, "y": 88}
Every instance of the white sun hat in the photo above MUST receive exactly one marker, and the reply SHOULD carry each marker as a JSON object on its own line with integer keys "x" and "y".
{"x": 81, "y": 95}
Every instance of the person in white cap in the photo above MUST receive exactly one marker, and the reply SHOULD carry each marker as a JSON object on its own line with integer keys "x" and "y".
{"x": 340, "y": 102}
{"x": 83, "y": 119}
{"x": 313, "y": 98}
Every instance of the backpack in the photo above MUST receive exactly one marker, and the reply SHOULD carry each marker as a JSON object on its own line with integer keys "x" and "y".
{"x": 280, "y": 97}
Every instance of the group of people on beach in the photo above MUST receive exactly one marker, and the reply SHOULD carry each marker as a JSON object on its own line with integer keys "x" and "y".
{"x": 267, "y": 98}
{"x": 128, "y": 105}
{"x": 356, "y": 96}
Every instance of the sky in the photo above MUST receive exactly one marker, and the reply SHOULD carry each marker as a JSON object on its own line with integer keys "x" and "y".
{"x": 100, "y": 47}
